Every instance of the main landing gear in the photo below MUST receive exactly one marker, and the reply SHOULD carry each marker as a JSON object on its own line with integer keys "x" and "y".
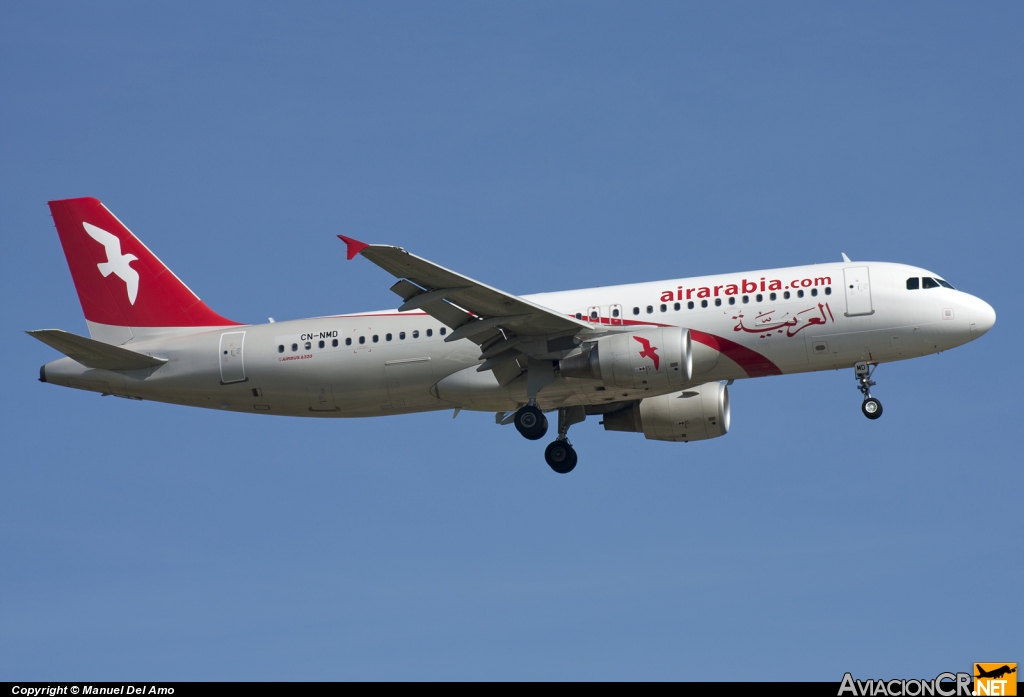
{"x": 560, "y": 456}
{"x": 532, "y": 424}
{"x": 871, "y": 407}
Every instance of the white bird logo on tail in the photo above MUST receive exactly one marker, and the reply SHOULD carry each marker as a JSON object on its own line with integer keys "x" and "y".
{"x": 116, "y": 262}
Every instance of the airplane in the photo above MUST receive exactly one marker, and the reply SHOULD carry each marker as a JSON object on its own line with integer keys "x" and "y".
{"x": 653, "y": 358}
{"x": 994, "y": 673}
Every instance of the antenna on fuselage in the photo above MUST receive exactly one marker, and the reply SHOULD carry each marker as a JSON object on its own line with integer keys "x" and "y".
{"x": 845, "y": 258}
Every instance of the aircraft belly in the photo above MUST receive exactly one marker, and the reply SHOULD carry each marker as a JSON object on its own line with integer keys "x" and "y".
{"x": 480, "y": 391}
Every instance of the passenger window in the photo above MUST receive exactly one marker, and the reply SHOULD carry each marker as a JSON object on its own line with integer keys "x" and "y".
{"x": 786, "y": 295}
{"x": 615, "y": 312}
{"x": 387, "y": 337}
{"x": 308, "y": 345}
{"x": 664, "y": 307}
{"x": 321, "y": 344}
{"x": 401, "y": 336}
{"x": 689, "y": 305}
{"x": 593, "y": 314}
{"x": 430, "y": 332}
{"x": 746, "y": 299}
{"x": 348, "y": 341}
{"x": 444, "y": 330}
{"x": 799, "y": 294}
{"x": 416, "y": 334}
{"x": 334, "y": 342}
{"x": 677, "y": 307}
{"x": 828, "y": 291}
{"x": 760, "y": 297}
{"x": 928, "y": 282}
{"x": 579, "y": 315}
{"x": 375, "y": 338}
{"x": 703, "y": 303}
{"x": 280, "y": 349}
{"x": 772, "y": 296}
{"x": 913, "y": 283}
{"x": 814, "y": 291}
{"x": 650, "y": 309}
{"x": 718, "y": 302}
{"x": 362, "y": 340}
{"x": 636, "y": 310}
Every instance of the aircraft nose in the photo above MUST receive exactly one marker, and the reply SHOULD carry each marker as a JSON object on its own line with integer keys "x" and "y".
{"x": 982, "y": 317}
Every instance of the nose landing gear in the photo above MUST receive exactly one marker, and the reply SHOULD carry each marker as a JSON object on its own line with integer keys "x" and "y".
{"x": 871, "y": 407}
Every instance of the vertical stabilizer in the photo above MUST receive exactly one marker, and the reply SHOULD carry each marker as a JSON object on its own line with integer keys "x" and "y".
{"x": 124, "y": 289}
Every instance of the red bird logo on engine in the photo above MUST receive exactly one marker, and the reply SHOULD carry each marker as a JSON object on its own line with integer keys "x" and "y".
{"x": 649, "y": 351}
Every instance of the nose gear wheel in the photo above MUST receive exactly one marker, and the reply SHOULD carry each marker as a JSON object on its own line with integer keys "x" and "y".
{"x": 871, "y": 407}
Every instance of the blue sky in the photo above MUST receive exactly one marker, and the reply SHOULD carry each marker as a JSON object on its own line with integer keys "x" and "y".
{"x": 534, "y": 146}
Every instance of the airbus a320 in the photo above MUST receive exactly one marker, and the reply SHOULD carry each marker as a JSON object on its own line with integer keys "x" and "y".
{"x": 653, "y": 358}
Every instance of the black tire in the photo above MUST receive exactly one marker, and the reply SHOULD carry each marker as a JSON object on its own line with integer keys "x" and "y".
{"x": 872, "y": 408}
{"x": 560, "y": 456}
{"x": 531, "y": 423}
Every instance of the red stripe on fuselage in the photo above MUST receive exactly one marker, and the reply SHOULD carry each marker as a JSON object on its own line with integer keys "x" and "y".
{"x": 755, "y": 365}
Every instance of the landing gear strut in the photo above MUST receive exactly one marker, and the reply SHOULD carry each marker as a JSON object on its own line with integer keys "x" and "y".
{"x": 560, "y": 455}
{"x": 871, "y": 407}
{"x": 531, "y": 422}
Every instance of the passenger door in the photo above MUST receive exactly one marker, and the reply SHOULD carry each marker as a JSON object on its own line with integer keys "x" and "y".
{"x": 232, "y": 366}
{"x": 858, "y": 291}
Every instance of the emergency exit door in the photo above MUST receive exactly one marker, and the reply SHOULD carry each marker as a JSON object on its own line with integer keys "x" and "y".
{"x": 858, "y": 291}
{"x": 616, "y": 315}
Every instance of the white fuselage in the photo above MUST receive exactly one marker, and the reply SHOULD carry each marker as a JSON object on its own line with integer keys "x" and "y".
{"x": 821, "y": 317}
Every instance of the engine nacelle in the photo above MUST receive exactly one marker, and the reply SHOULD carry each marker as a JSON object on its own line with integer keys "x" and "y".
{"x": 697, "y": 413}
{"x": 653, "y": 358}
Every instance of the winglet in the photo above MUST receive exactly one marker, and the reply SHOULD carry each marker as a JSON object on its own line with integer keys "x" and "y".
{"x": 354, "y": 246}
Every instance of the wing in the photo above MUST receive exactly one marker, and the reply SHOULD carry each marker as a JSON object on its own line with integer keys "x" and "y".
{"x": 504, "y": 325}
{"x": 107, "y": 239}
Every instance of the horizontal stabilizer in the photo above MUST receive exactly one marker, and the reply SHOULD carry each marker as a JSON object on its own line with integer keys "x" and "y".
{"x": 95, "y": 354}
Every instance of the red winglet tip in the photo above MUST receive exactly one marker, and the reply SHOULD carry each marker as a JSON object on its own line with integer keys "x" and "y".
{"x": 354, "y": 246}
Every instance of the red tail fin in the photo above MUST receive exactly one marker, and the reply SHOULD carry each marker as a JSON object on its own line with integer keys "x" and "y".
{"x": 119, "y": 281}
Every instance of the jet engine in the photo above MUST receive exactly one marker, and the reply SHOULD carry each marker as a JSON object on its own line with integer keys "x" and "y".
{"x": 653, "y": 358}
{"x": 697, "y": 413}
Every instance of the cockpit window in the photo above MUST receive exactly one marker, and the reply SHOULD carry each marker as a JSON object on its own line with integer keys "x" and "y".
{"x": 945, "y": 284}
{"x": 913, "y": 283}
{"x": 928, "y": 282}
